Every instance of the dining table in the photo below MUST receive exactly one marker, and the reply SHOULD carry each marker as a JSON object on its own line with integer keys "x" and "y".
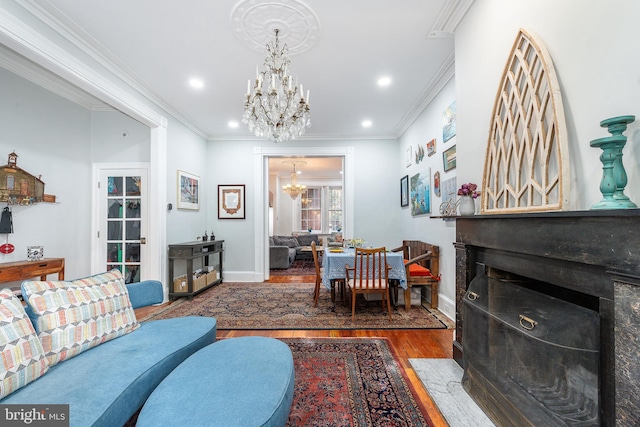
{"x": 335, "y": 259}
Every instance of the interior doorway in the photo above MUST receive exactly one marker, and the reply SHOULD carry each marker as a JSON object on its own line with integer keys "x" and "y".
{"x": 318, "y": 207}
{"x": 261, "y": 199}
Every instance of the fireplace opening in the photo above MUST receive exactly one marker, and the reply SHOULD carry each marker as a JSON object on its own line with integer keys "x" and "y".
{"x": 531, "y": 351}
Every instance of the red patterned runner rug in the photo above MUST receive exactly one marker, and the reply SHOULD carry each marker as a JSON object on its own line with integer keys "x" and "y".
{"x": 351, "y": 382}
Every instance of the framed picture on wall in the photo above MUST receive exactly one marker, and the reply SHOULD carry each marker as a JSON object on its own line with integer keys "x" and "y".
{"x": 188, "y": 191}
{"x": 449, "y": 159}
{"x": 404, "y": 191}
{"x": 420, "y": 193}
{"x": 231, "y": 201}
{"x": 407, "y": 156}
{"x": 449, "y": 122}
{"x": 431, "y": 147}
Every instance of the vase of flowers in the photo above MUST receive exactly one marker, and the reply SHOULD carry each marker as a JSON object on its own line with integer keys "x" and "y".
{"x": 468, "y": 194}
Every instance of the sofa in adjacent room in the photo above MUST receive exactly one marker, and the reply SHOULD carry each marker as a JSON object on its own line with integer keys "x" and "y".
{"x": 81, "y": 345}
{"x": 283, "y": 250}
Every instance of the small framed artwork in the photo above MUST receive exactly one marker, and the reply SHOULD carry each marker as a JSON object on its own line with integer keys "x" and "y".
{"x": 231, "y": 201}
{"x": 188, "y": 191}
{"x": 404, "y": 191}
{"x": 449, "y": 159}
{"x": 419, "y": 154}
{"x": 449, "y": 122}
{"x": 436, "y": 184}
{"x": 431, "y": 147}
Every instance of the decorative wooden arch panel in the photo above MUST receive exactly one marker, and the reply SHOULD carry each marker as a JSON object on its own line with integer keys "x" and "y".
{"x": 527, "y": 161}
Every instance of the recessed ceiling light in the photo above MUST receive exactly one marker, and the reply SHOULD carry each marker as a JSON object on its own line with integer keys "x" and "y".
{"x": 196, "y": 83}
{"x": 384, "y": 81}
{"x": 233, "y": 124}
{"x": 366, "y": 123}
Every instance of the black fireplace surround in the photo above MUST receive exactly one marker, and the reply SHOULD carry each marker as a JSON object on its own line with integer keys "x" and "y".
{"x": 548, "y": 316}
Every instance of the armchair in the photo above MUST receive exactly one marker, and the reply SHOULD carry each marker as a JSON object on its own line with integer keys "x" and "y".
{"x": 422, "y": 267}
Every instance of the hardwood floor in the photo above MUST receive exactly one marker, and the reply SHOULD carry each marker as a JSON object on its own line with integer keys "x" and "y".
{"x": 407, "y": 344}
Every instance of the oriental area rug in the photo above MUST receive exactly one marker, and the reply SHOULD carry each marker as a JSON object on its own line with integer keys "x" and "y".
{"x": 267, "y": 306}
{"x": 351, "y": 382}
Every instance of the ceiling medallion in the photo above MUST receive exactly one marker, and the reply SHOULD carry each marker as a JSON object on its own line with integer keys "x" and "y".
{"x": 255, "y": 21}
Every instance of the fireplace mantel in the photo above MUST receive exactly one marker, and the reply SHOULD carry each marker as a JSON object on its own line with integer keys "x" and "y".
{"x": 593, "y": 252}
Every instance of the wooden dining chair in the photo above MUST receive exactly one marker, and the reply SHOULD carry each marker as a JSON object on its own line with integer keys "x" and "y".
{"x": 369, "y": 275}
{"x": 316, "y": 291}
{"x": 422, "y": 265}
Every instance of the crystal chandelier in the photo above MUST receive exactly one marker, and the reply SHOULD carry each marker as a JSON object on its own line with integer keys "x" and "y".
{"x": 280, "y": 111}
{"x": 294, "y": 188}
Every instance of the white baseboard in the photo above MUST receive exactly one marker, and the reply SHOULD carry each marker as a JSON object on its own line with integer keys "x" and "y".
{"x": 241, "y": 276}
{"x": 447, "y": 307}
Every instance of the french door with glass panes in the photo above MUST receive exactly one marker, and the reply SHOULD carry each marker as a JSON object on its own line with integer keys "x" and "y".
{"x": 123, "y": 225}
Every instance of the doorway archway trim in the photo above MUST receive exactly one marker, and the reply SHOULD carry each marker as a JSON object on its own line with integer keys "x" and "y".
{"x": 261, "y": 164}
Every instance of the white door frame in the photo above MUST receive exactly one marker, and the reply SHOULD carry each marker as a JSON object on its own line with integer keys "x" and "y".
{"x": 261, "y": 200}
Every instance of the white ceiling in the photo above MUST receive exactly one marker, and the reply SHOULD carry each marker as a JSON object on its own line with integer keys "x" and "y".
{"x": 338, "y": 50}
{"x": 161, "y": 45}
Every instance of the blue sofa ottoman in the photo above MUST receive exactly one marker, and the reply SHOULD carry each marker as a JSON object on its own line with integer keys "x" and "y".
{"x": 235, "y": 382}
{"x": 106, "y": 385}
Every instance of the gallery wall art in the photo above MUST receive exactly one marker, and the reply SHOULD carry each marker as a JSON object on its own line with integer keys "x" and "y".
{"x": 420, "y": 192}
{"x": 188, "y": 191}
{"x": 431, "y": 147}
{"x": 404, "y": 191}
{"x": 449, "y": 159}
{"x": 449, "y": 122}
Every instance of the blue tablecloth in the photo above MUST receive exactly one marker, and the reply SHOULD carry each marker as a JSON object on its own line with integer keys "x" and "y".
{"x": 334, "y": 264}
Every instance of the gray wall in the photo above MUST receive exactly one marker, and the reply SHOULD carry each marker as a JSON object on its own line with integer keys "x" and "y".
{"x": 52, "y": 138}
{"x": 375, "y": 211}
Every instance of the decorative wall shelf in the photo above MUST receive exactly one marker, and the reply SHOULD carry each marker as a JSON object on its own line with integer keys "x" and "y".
{"x": 19, "y": 188}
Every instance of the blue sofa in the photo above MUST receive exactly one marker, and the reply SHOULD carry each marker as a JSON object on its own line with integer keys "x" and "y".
{"x": 107, "y": 384}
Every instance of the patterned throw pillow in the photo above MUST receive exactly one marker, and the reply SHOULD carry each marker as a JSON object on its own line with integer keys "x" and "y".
{"x": 71, "y": 317}
{"x": 23, "y": 358}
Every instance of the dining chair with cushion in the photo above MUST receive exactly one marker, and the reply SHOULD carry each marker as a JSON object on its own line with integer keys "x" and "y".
{"x": 422, "y": 266}
{"x": 369, "y": 275}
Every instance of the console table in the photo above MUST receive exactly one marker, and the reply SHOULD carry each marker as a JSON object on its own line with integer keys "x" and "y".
{"x": 189, "y": 252}
{"x": 23, "y": 270}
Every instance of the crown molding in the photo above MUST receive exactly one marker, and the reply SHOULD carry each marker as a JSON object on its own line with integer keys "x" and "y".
{"x": 449, "y": 17}
{"x": 41, "y": 77}
{"x": 305, "y": 137}
{"x": 444, "y": 75}
{"x": 17, "y": 35}
{"x": 60, "y": 24}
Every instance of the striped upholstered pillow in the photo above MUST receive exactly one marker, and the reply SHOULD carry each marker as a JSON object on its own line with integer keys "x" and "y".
{"x": 22, "y": 357}
{"x": 71, "y": 317}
